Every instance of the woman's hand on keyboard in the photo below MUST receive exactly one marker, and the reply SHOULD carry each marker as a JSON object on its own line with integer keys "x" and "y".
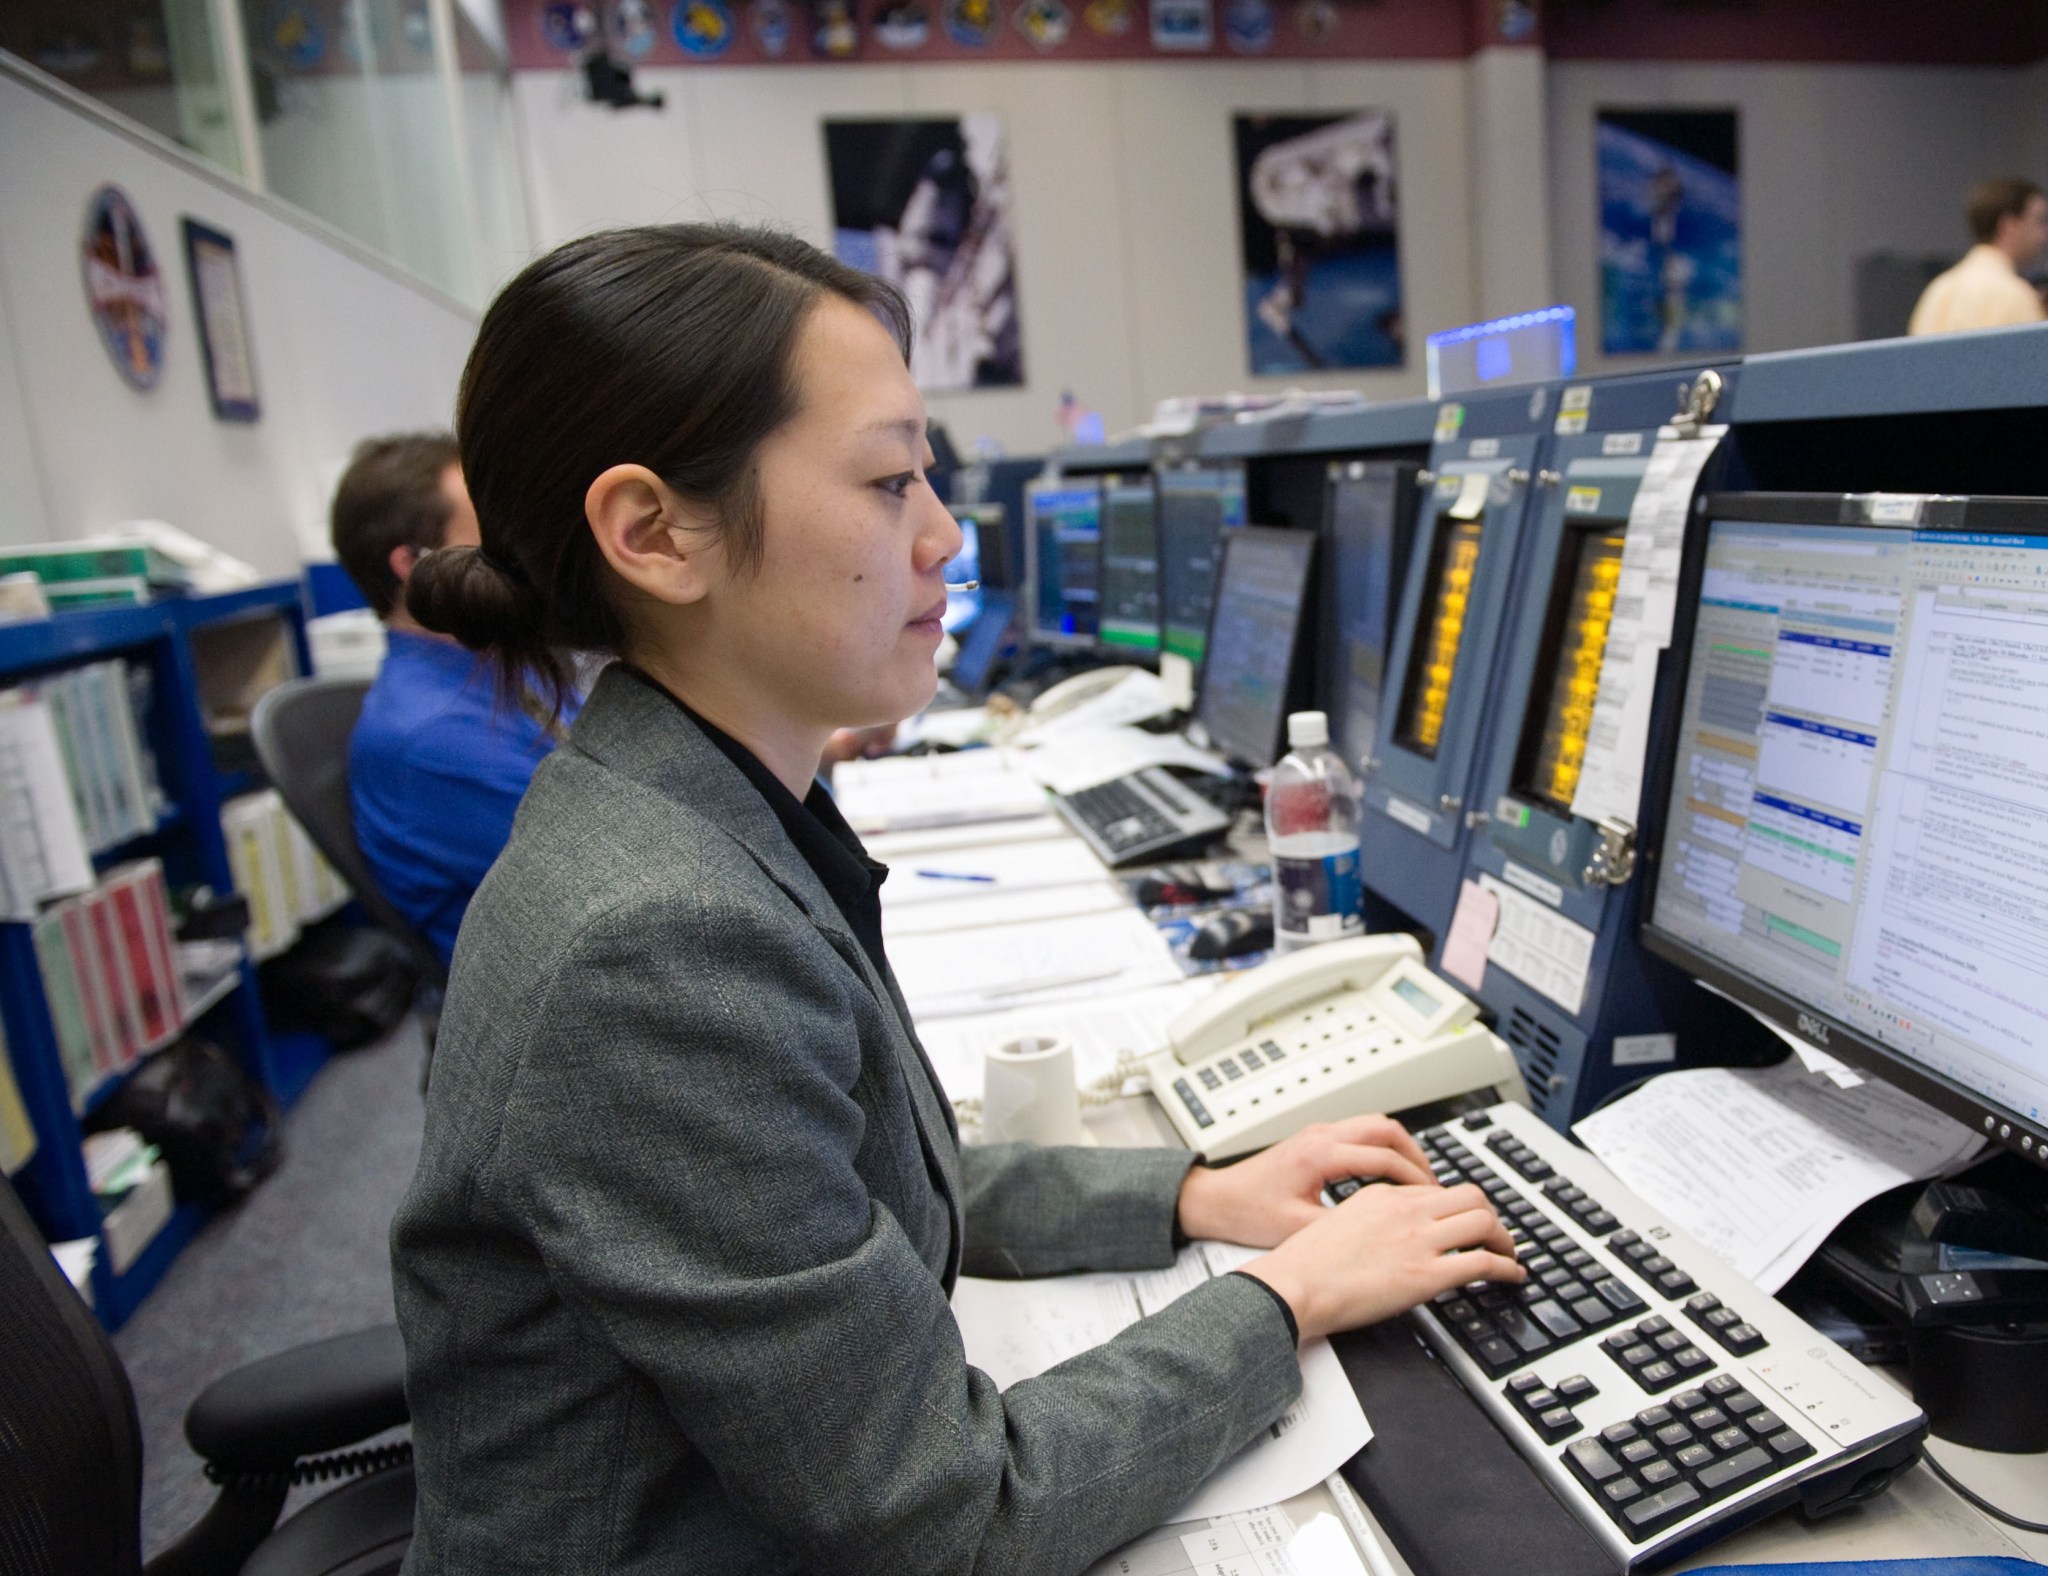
{"x": 1266, "y": 1199}
{"x": 1383, "y": 1251}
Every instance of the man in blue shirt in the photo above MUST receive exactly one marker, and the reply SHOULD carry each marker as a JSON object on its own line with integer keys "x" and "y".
{"x": 438, "y": 763}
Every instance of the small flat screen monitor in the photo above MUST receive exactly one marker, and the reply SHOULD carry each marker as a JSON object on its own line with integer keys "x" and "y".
{"x": 1066, "y": 562}
{"x": 963, "y": 607}
{"x": 1368, "y": 524}
{"x": 1439, "y": 634}
{"x": 982, "y": 641}
{"x": 1130, "y": 567}
{"x": 1858, "y": 784}
{"x": 1195, "y": 508}
{"x": 1551, "y": 751}
{"x": 1261, "y": 588}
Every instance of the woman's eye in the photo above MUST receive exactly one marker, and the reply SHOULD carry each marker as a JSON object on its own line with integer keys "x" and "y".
{"x": 900, "y": 485}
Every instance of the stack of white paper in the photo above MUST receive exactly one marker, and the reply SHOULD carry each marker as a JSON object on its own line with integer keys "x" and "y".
{"x": 1760, "y": 1164}
{"x": 935, "y": 790}
{"x": 1063, "y": 959}
{"x": 1072, "y": 761}
{"x": 1015, "y": 1330}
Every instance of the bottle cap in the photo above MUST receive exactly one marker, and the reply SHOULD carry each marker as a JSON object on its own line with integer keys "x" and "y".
{"x": 1306, "y": 729}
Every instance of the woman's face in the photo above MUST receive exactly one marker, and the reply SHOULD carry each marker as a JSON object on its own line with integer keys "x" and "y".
{"x": 840, "y": 625}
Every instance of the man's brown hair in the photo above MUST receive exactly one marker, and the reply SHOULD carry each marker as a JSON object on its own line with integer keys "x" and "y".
{"x": 390, "y": 496}
{"x": 2003, "y": 198}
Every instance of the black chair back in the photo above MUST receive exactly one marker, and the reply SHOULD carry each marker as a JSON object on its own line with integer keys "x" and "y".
{"x": 70, "y": 1443}
{"x": 302, "y": 729}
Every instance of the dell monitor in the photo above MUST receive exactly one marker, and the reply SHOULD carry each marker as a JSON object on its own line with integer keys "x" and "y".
{"x": 1065, "y": 565}
{"x": 1856, "y": 785}
{"x": 1369, "y": 522}
{"x": 1196, "y": 506}
{"x": 1261, "y": 588}
{"x": 1129, "y": 625}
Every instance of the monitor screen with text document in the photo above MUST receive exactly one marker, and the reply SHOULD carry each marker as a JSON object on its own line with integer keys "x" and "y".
{"x": 1253, "y": 632}
{"x": 1859, "y": 788}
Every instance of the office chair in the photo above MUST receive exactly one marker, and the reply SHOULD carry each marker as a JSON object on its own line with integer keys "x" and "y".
{"x": 302, "y": 729}
{"x": 71, "y": 1445}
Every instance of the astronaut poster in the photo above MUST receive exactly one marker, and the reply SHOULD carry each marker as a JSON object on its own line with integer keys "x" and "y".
{"x": 1317, "y": 205}
{"x": 926, "y": 204}
{"x": 1670, "y": 231}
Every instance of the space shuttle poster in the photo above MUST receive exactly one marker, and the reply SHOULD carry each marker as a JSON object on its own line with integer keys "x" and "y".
{"x": 926, "y": 204}
{"x": 1319, "y": 215}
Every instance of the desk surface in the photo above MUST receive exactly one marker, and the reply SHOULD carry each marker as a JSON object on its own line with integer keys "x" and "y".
{"x": 1920, "y": 1517}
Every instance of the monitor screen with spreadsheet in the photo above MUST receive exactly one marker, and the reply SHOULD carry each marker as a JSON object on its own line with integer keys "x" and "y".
{"x": 1065, "y": 569}
{"x": 1196, "y": 506}
{"x": 1130, "y": 566}
{"x": 1260, "y": 590}
{"x": 1858, "y": 787}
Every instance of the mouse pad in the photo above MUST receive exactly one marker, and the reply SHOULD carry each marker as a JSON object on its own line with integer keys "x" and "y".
{"x": 1446, "y": 1485}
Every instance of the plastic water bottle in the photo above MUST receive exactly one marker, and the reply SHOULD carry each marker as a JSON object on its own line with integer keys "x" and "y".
{"x": 1312, "y": 834}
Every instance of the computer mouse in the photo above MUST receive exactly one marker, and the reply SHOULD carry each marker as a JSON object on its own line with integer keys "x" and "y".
{"x": 1231, "y": 934}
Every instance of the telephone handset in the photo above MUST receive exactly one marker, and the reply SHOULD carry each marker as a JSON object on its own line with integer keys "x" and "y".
{"x": 1331, "y": 1031}
{"x": 1074, "y": 692}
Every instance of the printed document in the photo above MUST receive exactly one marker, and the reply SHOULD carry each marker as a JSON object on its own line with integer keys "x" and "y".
{"x": 1062, "y": 959}
{"x": 1073, "y": 761}
{"x": 1324, "y": 1532}
{"x": 1761, "y": 1163}
{"x": 935, "y": 790}
{"x": 1016, "y": 1330}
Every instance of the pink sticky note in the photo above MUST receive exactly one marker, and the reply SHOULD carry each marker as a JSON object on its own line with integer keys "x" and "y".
{"x": 1471, "y": 934}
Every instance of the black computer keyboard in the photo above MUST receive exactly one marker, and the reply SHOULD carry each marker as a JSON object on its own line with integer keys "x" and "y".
{"x": 1143, "y": 817}
{"x": 1662, "y": 1396}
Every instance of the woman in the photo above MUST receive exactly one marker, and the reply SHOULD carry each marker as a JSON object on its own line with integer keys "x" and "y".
{"x": 673, "y": 1272}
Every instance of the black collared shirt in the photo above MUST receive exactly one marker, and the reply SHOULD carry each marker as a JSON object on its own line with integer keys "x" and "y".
{"x": 828, "y": 845}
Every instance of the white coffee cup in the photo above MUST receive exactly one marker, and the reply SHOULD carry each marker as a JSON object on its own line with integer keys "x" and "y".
{"x": 1028, "y": 1093}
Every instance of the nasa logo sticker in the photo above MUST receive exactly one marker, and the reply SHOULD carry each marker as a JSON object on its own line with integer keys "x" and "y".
{"x": 296, "y": 34}
{"x": 568, "y": 25}
{"x": 773, "y": 26}
{"x": 1045, "y": 22}
{"x": 124, "y": 288}
{"x": 1248, "y": 25}
{"x": 702, "y": 27}
{"x": 634, "y": 27}
{"x": 904, "y": 25}
{"x": 971, "y": 23}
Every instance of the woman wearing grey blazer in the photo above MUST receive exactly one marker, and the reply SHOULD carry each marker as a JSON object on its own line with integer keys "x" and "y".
{"x": 673, "y": 1272}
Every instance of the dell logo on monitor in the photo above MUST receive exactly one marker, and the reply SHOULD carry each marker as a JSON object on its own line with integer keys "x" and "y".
{"x": 1813, "y": 1028}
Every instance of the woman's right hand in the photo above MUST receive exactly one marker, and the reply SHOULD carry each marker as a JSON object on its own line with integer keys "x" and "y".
{"x": 1384, "y": 1250}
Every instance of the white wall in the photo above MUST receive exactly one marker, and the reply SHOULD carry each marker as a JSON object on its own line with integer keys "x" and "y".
{"x": 1128, "y": 272}
{"x": 1836, "y": 162}
{"x": 343, "y": 348}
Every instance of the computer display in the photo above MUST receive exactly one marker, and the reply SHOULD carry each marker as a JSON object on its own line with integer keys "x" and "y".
{"x": 1858, "y": 784}
{"x": 1130, "y": 566}
{"x": 1196, "y": 507}
{"x": 1552, "y": 750}
{"x": 1365, "y": 558}
{"x": 1433, "y": 664}
{"x": 1066, "y": 562}
{"x": 963, "y": 607}
{"x": 1261, "y": 587}
{"x": 990, "y": 529}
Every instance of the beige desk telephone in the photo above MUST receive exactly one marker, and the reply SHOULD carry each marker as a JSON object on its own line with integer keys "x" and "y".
{"x": 1332, "y": 1031}
{"x": 1072, "y": 693}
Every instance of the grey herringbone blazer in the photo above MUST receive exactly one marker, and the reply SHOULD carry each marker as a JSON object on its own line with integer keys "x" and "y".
{"x": 673, "y": 1272}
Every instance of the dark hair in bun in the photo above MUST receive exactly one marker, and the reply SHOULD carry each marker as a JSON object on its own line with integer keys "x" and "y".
{"x": 669, "y": 346}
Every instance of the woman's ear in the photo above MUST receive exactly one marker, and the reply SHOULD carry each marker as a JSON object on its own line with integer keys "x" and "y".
{"x": 653, "y": 540}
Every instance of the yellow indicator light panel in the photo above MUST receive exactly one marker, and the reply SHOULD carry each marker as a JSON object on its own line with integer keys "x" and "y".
{"x": 1434, "y": 662}
{"x": 1589, "y": 572}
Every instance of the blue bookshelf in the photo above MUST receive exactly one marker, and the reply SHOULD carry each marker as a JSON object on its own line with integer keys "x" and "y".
{"x": 188, "y": 839}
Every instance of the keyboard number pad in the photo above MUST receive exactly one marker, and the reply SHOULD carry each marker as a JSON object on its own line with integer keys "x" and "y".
{"x": 1701, "y": 1445}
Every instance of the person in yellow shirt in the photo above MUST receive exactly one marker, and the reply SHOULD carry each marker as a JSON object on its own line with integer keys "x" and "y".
{"x": 2009, "y": 218}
